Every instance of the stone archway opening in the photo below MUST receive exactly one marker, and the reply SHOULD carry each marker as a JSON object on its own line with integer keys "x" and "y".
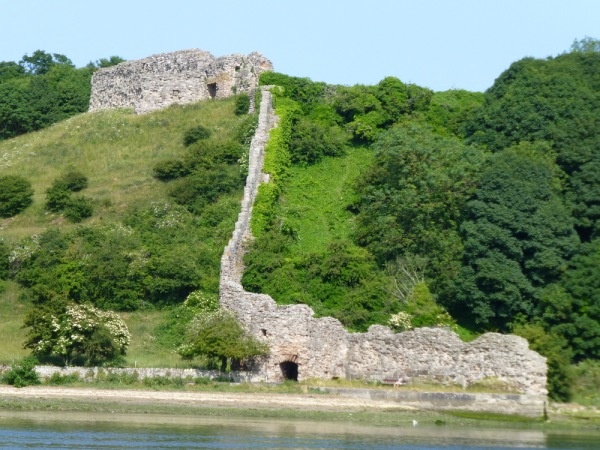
{"x": 289, "y": 370}
{"x": 212, "y": 89}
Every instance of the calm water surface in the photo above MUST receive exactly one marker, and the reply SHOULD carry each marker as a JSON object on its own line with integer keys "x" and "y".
{"x": 97, "y": 431}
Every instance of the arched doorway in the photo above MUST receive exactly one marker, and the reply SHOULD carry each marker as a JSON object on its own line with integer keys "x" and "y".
{"x": 289, "y": 370}
{"x": 212, "y": 89}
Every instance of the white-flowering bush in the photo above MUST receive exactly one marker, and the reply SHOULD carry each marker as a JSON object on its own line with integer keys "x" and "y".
{"x": 78, "y": 332}
{"x": 401, "y": 321}
{"x": 201, "y": 301}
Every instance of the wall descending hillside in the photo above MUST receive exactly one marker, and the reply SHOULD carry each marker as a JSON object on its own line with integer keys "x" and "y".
{"x": 302, "y": 346}
{"x": 175, "y": 78}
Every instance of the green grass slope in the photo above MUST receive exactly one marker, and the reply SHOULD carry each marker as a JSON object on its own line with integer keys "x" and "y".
{"x": 116, "y": 151}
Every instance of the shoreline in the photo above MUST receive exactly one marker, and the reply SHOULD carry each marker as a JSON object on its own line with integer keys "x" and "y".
{"x": 282, "y": 406}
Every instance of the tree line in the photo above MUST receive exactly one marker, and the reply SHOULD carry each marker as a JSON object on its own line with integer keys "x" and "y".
{"x": 43, "y": 88}
{"x": 481, "y": 206}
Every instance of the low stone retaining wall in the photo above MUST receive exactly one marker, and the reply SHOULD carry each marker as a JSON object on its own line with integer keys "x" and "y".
{"x": 92, "y": 373}
{"x": 520, "y": 404}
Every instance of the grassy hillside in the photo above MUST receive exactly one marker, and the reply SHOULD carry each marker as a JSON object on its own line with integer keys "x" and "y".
{"x": 315, "y": 199}
{"x": 117, "y": 152}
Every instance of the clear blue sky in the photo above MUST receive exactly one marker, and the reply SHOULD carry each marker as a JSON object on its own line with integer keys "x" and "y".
{"x": 463, "y": 44}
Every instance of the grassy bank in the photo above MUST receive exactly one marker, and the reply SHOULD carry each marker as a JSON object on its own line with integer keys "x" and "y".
{"x": 582, "y": 422}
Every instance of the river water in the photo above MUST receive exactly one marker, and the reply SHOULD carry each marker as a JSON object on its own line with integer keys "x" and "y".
{"x": 101, "y": 431}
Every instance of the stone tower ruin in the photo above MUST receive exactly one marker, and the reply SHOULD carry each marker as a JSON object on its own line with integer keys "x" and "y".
{"x": 180, "y": 77}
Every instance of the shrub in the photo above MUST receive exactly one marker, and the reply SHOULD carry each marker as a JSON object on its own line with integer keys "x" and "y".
{"x": 16, "y": 194}
{"x": 22, "y": 373}
{"x": 78, "y": 208}
{"x": 171, "y": 169}
{"x": 57, "y": 379}
{"x": 219, "y": 335}
{"x": 195, "y": 134}
{"x": 242, "y": 104}
{"x": 76, "y": 333}
{"x": 73, "y": 180}
{"x": 57, "y": 198}
{"x": 245, "y": 129}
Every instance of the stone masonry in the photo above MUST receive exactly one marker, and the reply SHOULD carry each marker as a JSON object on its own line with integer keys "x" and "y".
{"x": 308, "y": 347}
{"x": 175, "y": 78}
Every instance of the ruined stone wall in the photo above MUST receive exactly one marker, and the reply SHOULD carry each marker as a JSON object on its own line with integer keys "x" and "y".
{"x": 175, "y": 78}
{"x": 322, "y": 348}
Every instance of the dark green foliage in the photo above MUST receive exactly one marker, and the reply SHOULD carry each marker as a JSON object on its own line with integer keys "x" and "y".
{"x": 204, "y": 187}
{"x": 78, "y": 209}
{"x": 518, "y": 235}
{"x": 312, "y": 141}
{"x": 100, "y": 349}
{"x": 44, "y": 89}
{"x": 555, "y": 100}
{"x": 411, "y": 198}
{"x": 242, "y": 104}
{"x": 171, "y": 333}
{"x": 342, "y": 282}
{"x": 219, "y": 335}
{"x": 577, "y": 316}
{"x": 4, "y": 266}
{"x": 195, "y": 134}
{"x": 58, "y": 379}
{"x": 448, "y": 111}
{"x": 105, "y": 62}
{"x": 59, "y": 197}
{"x": 16, "y": 194}
{"x": 245, "y": 129}
{"x": 10, "y": 70}
{"x": 302, "y": 90}
{"x": 207, "y": 171}
{"x": 72, "y": 180}
{"x": 555, "y": 348}
{"x": 157, "y": 257}
{"x": 361, "y": 110}
{"x": 40, "y": 62}
{"x": 22, "y": 373}
{"x": 171, "y": 169}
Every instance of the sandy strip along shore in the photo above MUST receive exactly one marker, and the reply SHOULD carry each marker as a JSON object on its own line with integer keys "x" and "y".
{"x": 314, "y": 402}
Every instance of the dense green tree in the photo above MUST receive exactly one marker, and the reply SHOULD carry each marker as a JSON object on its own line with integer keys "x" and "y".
{"x": 411, "y": 198}
{"x": 40, "y": 62}
{"x": 42, "y": 89}
{"x": 555, "y": 348}
{"x": 10, "y": 70}
{"x": 219, "y": 335}
{"x": 449, "y": 110}
{"x": 307, "y": 93}
{"x": 76, "y": 333}
{"x": 554, "y": 100}
{"x": 16, "y": 194}
{"x": 105, "y": 62}
{"x": 518, "y": 236}
{"x": 577, "y": 317}
{"x": 311, "y": 141}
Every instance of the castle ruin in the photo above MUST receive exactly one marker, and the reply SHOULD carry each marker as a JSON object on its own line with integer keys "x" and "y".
{"x": 302, "y": 346}
{"x": 179, "y": 77}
